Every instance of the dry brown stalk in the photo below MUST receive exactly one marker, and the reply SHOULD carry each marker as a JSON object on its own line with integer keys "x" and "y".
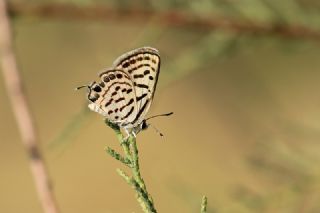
{"x": 21, "y": 110}
{"x": 168, "y": 18}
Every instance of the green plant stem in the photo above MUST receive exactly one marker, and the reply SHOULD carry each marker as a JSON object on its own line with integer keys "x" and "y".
{"x": 142, "y": 196}
{"x": 204, "y": 203}
{"x": 135, "y": 162}
{"x": 119, "y": 157}
{"x": 124, "y": 143}
{"x": 124, "y": 175}
{"x": 131, "y": 153}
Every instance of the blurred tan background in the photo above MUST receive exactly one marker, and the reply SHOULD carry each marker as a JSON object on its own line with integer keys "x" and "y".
{"x": 246, "y": 127}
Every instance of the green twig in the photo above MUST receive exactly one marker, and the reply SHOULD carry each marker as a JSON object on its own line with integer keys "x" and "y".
{"x": 204, "y": 203}
{"x": 131, "y": 159}
{"x": 135, "y": 162}
{"x": 124, "y": 175}
{"x": 124, "y": 143}
{"x": 143, "y": 197}
{"x": 118, "y": 157}
{"x": 136, "y": 181}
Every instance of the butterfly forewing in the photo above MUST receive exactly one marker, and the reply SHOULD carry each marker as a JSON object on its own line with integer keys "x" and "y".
{"x": 125, "y": 92}
{"x": 143, "y": 65}
{"x": 114, "y": 96}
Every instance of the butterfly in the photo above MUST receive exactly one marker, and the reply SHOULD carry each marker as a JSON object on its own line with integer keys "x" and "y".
{"x": 124, "y": 93}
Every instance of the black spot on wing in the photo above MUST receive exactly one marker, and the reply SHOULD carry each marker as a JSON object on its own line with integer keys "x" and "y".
{"x": 109, "y": 102}
{"x": 129, "y": 90}
{"x": 146, "y": 72}
{"x": 138, "y": 76}
{"x": 132, "y": 61}
{"x": 141, "y": 110}
{"x": 141, "y": 65}
{"x": 120, "y": 99}
{"x": 144, "y": 65}
{"x": 106, "y": 79}
{"x": 129, "y": 113}
{"x": 125, "y": 83}
{"x": 125, "y": 65}
{"x": 112, "y": 76}
{"x": 130, "y": 102}
{"x": 141, "y": 86}
{"x": 141, "y": 97}
{"x": 138, "y": 55}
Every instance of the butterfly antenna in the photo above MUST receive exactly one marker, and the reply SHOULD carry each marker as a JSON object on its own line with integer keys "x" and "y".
{"x": 77, "y": 88}
{"x": 161, "y": 135}
{"x": 88, "y": 86}
{"x": 166, "y": 114}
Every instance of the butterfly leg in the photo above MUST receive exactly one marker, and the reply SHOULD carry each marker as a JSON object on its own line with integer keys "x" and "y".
{"x": 128, "y": 134}
{"x": 134, "y": 134}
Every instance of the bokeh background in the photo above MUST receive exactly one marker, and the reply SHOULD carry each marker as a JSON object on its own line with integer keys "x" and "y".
{"x": 242, "y": 78}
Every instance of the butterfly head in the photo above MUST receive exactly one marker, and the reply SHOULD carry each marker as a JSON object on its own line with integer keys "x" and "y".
{"x": 144, "y": 125}
{"x": 91, "y": 97}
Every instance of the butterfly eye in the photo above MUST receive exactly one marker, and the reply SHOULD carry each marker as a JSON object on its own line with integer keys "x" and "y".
{"x": 119, "y": 75}
{"x": 112, "y": 76}
{"x": 144, "y": 125}
{"x": 97, "y": 89}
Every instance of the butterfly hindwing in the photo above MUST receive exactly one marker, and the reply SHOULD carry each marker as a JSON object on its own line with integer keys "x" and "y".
{"x": 143, "y": 65}
{"x": 114, "y": 96}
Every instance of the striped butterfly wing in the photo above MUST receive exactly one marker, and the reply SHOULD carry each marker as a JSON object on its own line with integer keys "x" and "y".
{"x": 114, "y": 97}
{"x": 143, "y": 65}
